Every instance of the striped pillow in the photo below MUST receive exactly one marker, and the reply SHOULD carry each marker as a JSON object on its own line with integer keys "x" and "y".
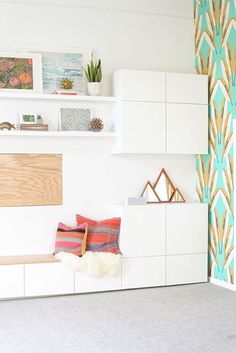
{"x": 102, "y": 235}
{"x": 71, "y": 240}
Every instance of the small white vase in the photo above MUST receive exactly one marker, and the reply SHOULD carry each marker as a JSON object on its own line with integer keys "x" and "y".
{"x": 94, "y": 88}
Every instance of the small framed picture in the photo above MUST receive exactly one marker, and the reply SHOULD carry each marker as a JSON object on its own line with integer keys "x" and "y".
{"x": 74, "y": 119}
{"x": 28, "y": 118}
{"x": 20, "y": 72}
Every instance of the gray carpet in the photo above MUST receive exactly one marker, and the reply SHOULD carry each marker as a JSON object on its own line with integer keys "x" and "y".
{"x": 197, "y": 318}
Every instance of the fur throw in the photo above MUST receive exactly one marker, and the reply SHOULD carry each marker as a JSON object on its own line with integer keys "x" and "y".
{"x": 94, "y": 264}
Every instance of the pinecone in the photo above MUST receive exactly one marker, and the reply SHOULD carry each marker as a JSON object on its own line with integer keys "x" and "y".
{"x": 96, "y": 124}
{"x": 66, "y": 83}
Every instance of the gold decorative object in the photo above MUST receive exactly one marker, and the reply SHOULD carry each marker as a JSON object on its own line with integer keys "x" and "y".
{"x": 96, "y": 125}
{"x": 6, "y": 125}
{"x": 66, "y": 83}
{"x": 163, "y": 190}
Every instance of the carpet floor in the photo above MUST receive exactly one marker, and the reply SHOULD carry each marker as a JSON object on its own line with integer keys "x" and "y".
{"x": 194, "y": 318}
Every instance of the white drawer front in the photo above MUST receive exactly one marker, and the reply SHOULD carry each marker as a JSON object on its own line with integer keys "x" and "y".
{"x": 187, "y": 228}
{"x": 187, "y": 129}
{"x": 48, "y": 279}
{"x": 12, "y": 281}
{"x": 139, "y": 85}
{"x": 187, "y": 88}
{"x": 143, "y": 127}
{"x": 143, "y": 231}
{"x": 143, "y": 272}
{"x": 186, "y": 269}
{"x": 84, "y": 283}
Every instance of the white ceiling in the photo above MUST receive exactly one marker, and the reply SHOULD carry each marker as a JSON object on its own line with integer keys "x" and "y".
{"x": 179, "y": 8}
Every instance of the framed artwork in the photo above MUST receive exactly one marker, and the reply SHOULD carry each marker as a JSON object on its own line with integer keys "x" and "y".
{"x": 62, "y": 63}
{"x": 20, "y": 72}
{"x": 74, "y": 119}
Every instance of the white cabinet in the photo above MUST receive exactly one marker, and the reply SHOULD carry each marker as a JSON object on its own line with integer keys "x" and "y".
{"x": 12, "y": 281}
{"x": 186, "y": 269}
{"x": 139, "y": 85}
{"x": 152, "y": 121}
{"x": 143, "y": 272}
{"x": 186, "y": 88}
{"x": 187, "y": 129}
{"x": 187, "y": 228}
{"x": 48, "y": 279}
{"x": 142, "y": 230}
{"x": 142, "y": 127}
{"x": 85, "y": 284}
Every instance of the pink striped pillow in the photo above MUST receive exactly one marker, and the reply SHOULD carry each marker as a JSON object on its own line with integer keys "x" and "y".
{"x": 71, "y": 240}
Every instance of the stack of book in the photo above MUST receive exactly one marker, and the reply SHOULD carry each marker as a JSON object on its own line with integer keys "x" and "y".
{"x": 34, "y": 127}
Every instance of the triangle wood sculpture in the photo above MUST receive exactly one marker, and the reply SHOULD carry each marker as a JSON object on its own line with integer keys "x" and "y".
{"x": 162, "y": 191}
{"x": 164, "y": 187}
{"x": 177, "y": 196}
{"x": 150, "y": 193}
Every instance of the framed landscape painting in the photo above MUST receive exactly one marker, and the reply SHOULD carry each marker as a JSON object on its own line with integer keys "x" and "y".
{"x": 62, "y": 63}
{"x": 20, "y": 72}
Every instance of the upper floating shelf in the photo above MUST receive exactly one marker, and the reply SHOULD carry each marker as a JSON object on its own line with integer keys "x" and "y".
{"x": 57, "y": 97}
{"x": 101, "y": 134}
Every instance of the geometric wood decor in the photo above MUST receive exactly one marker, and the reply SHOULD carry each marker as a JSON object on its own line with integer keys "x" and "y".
{"x": 150, "y": 194}
{"x": 164, "y": 186}
{"x": 177, "y": 196}
{"x": 30, "y": 179}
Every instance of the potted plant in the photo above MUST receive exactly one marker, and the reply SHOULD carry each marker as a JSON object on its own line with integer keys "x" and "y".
{"x": 93, "y": 73}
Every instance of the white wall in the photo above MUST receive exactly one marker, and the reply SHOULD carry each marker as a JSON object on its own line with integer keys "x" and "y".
{"x": 153, "y": 35}
{"x": 123, "y": 39}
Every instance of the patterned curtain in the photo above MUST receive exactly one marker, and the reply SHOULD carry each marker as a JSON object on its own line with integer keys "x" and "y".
{"x": 215, "y": 56}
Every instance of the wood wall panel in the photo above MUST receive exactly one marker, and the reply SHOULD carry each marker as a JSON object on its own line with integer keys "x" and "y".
{"x": 30, "y": 179}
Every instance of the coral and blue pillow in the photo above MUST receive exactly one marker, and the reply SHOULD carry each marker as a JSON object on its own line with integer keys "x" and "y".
{"x": 102, "y": 235}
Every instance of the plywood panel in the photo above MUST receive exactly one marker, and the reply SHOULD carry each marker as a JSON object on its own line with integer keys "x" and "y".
{"x": 30, "y": 179}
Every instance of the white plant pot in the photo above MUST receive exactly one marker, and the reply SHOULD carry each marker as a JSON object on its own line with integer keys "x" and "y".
{"x": 94, "y": 88}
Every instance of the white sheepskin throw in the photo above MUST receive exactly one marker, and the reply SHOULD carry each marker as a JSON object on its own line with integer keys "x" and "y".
{"x": 94, "y": 264}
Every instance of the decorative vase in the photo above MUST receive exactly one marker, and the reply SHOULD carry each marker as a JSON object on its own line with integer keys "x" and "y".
{"x": 94, "y": 88}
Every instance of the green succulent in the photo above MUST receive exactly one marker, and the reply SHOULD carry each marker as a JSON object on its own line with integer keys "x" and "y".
{"x": 93, "y": 71}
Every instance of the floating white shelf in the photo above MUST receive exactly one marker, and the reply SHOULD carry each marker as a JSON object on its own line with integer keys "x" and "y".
{"x": 57, "y": 97}
{"x": 101, "y": 134}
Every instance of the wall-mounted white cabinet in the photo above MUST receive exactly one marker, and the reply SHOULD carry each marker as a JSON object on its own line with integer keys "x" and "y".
{"x": 142, "y": 127}
{"x": 187, "y": 128}
{"x": 138, "y": 85}
{"x": 186, "y": 88}
{"x": 161, "y": 112}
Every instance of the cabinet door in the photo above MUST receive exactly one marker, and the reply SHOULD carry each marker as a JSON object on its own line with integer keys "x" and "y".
{"x": 187, "y": 88}
{"x": 143, "y": 230}
{"x": 12, "y": 281}
{"x": 186, "y": 269}
{"x": 48, "y": 279}
{"x": 143, "y": 272}
{"x": 84, "y": 283}
{"x": 143, "y": 127}
{"x": 139, "y": 85}
{"x": 187, "y": 228}
{"x": 187, "y": 129}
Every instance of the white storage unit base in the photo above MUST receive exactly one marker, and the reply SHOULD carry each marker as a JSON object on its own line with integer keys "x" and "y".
{"x": 143, "y": 272}
{"x": 12, "y": 281}
{"x": 190, "y": 268}
{"x": 48, "y": 279}
{"x": 162, "y": 244}
{"x": 86, "y": 284}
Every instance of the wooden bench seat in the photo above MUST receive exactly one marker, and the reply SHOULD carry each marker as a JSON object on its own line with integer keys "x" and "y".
{"x": 27, "y": 259}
